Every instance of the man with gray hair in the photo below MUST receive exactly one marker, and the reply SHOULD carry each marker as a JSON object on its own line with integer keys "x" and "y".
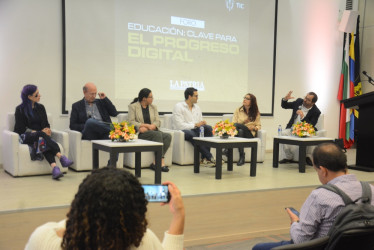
{"x": 91, "y": 115}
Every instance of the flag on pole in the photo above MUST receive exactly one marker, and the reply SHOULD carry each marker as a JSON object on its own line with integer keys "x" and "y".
{"x": 346, "y": 91}
{"x": 357, "y": 82}
{"x": 350, "y": 134}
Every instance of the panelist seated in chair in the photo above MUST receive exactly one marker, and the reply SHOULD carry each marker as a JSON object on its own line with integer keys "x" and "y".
{"x": 144, "y": 115}
{"x": 91, "y": 115}
{"x": 247, "y": 121}
{"x": 31, "y": 123}
{"x": 322, "y": 206}
{"x": 302, "y": 110}
{"x": 187, "y": 116}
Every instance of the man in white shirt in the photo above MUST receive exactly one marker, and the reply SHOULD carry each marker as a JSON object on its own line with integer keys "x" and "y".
{"x": 302, "y": 110}
{"x": 187, "y": 117}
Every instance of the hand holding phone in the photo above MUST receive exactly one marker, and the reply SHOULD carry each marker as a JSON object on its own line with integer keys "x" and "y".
{"x": 156, "y": 193}
{"x": 294, "y": 211}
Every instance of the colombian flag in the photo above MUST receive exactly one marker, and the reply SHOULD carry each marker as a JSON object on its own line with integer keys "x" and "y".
{"x": 346, "y": 91}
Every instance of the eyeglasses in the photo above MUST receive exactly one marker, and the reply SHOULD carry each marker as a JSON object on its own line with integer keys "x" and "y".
{"x": 306, "y": 99}
{"x": 247, "y": 98}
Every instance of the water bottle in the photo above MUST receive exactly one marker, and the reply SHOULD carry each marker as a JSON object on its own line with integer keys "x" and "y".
{"x": 279, "y": 130}
{"x": 201, "y": 131}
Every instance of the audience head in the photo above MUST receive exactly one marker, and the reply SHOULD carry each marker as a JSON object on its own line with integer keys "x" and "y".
{"x": 90, "y": 92}
{"x": 310, "y": 99}
{"x": 190, "y": 93}
{"x": 144, "y": 93}
{"x": 108, "y": 212}
{"x": 250, "y": 102}
{"x": 328, "y": 156}
{"x": 29, "y": 94}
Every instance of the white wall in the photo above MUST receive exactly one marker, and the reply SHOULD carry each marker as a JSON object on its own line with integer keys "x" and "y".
{"x": 308, "y": 57}
{"x": 367, "y": 37}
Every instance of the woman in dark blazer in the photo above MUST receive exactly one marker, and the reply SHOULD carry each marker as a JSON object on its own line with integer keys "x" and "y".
{"x": 33, "y": 127}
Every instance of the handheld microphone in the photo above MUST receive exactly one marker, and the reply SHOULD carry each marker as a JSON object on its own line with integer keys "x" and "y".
{"x": 368, "y": 76}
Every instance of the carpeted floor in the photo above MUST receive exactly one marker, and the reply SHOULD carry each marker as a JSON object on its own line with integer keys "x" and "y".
{"x": 241, "y": 244}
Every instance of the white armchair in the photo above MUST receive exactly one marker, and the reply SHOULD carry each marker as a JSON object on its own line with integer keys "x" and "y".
{"x": 81, "y": 152}
{"x": 16, "y": 156}
{"x": 261, "y": 147}
{"x": 320, "y": 126}
{"x": 183, "y": 151}
{"x": 147, "y": 157}
{"x": 321, "y": 132}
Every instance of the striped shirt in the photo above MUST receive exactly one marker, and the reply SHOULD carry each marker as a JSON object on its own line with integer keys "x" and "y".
{"x": 321, "y": 208}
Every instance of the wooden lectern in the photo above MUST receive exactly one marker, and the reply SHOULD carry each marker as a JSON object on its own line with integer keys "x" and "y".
{"x": 365, "y": 130}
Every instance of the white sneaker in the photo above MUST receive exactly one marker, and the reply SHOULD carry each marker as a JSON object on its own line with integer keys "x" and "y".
{"x": 211, "y": 163}
{"x": 204, "y": 162}
{"x": 224, "y": 159}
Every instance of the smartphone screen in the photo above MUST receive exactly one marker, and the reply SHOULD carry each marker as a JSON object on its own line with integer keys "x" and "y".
{"x": 294, "y": 211}
{"x": 156, "y": 192}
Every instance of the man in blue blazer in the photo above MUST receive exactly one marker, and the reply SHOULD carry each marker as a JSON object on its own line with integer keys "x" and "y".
{"x": 302, "y": 110}
{"x": 91, "y": 115}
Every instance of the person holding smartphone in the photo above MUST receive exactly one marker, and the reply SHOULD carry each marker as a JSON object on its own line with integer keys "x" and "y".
{"x": 109, "y": 212}
{"x": 321, "y": 208}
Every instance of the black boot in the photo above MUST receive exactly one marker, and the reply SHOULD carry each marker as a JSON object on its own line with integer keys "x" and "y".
{"x": 242, "y": 157}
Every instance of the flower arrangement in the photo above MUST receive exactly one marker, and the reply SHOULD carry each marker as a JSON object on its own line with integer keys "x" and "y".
{"x": 122, "y": 132}
{"x": 225, "y": 128}
{"x": 303, "y": 129}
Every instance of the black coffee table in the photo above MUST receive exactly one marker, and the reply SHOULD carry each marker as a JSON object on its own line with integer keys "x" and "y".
{"x": 220, "y": 144}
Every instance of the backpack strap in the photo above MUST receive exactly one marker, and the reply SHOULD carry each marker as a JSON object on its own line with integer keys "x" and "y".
{"x": 335, "y": 189}
{"x": 366, "y": 192}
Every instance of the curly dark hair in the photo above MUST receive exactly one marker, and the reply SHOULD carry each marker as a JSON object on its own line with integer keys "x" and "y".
{"x": 108, "y": 212}
{"x": 253, "y": 109}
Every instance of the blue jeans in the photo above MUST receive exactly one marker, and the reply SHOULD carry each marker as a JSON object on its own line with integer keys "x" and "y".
{"x": 270, "y": 245}
{"x": 189, "y": 134}
{"x": 95, "y": 130}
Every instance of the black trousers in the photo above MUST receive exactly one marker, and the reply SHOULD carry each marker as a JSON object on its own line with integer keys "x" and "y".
{"x": 243, "y": 132}
{"x": 52, "y": 146}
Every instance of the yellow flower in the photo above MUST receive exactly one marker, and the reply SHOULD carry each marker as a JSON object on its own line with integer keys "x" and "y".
{"x": 303, "y": 129}
{"x": 122, "y": 131}
{"x": 225, "y": 127}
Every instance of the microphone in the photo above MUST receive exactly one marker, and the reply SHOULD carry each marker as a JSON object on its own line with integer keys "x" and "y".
{"x": 368, "y": 76}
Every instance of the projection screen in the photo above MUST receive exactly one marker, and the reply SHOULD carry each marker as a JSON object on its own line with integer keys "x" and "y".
{"x": 223, "y": 48}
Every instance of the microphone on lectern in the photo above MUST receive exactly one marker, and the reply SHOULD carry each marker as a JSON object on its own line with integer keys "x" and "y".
{"x": 368, "y": 76}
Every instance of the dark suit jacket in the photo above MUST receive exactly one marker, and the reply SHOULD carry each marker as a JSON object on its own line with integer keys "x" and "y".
{"x": 23, "y": 123}
{"x": 79, "y": 117}
{"x": 311, "y": 117}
